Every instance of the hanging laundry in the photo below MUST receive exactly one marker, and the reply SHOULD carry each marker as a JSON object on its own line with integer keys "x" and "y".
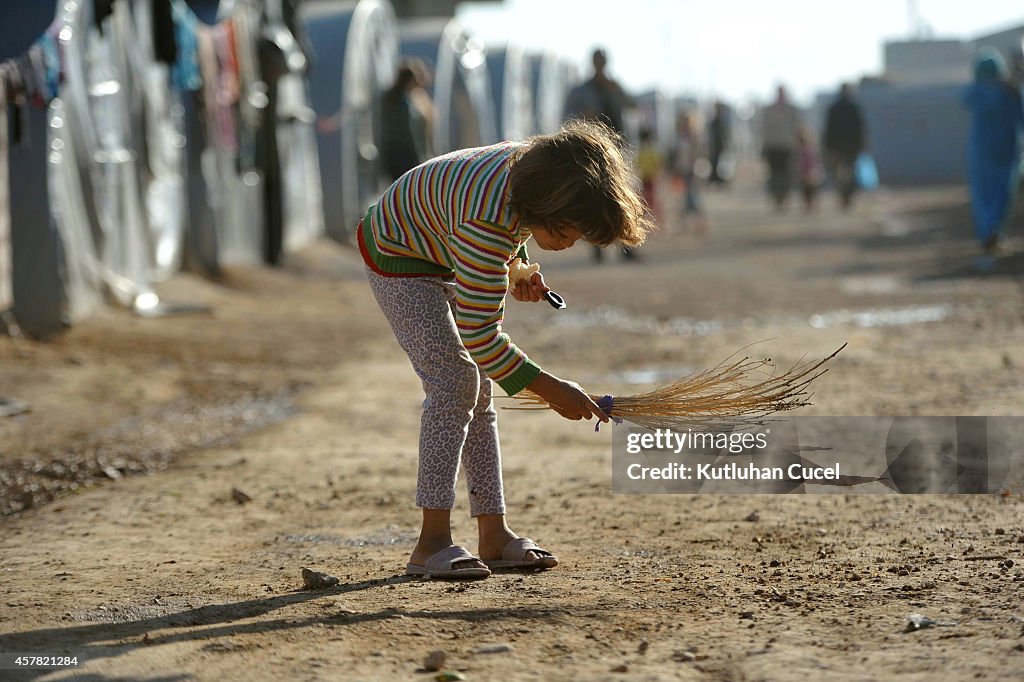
{"x": 228, "y": 56}
{"x": 36, "y": 64}
{"x": 208, "y": 67}
{"x": 165, "y": 45}
{"x": 185, "y": 72}
{"x": 227, "y": 90}
{"x": 52, "y": 64}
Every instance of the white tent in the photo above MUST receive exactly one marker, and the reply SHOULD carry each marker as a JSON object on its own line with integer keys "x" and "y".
{"x": 511, "y": 91}
{"x": 552, "y": 78}
{"x": 158, "y": 138}
{"x": 294, "y": 136}
{"x": 50, "y": 288}
{"x": 119, "y": 168}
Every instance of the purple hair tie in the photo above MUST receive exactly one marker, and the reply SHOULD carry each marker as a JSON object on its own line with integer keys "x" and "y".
{"x": 606, "y": 402}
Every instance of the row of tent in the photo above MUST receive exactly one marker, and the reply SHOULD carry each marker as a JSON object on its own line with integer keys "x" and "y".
{"x": 143, "y": 137}
{"x": 140, "y": 137}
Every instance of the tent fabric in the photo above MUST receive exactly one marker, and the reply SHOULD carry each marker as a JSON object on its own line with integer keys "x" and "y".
{"x": 301, "y": 194}
{"x": 553, "y": 77}
{"x": 511, "y": 91}
{"x": 158, "y": 138}
{"x": 83, "y": 271}
{"x": 31, "y": 285}
{"x": 6, "y": 282}
{"x": 37, "y": 288}
{"x": 110, "y": 98}
{"x": 355, "y": 56}
{"x": 37, "y": 253}
{"x": 113, "y": 141}
{"x": 918, "y": 132}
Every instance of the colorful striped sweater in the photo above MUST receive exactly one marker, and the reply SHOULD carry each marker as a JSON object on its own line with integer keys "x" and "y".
{"x": 450, "y": 216}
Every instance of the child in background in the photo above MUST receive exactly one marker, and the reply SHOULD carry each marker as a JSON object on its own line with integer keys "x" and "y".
{"x": 437, "y": 248}
{"x": 811, "y": 170}
{"x": 684, "y": 162}
{"x": 649, "y": 163}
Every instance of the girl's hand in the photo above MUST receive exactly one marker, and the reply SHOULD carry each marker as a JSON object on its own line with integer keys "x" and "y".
{"x": 530, "y": 289}
{"x": 566, "y": 398}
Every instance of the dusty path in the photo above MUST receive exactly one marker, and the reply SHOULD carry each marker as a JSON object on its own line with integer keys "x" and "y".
{"x": 168, "y": 577}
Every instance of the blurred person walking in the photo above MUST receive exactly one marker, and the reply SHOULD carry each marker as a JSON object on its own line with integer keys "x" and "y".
{"x": 684, "y": 163}
{"x": 844, "y": 140}
{"x": 718, "y": 142}
{"x": 780, "y": 131}
{"x": 406, "y": 118}
{"x": 993, "y": 149}
{"x": 601, "y": 98}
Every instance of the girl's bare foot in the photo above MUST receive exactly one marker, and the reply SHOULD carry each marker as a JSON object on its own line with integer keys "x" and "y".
{"x": 435, "y": 535}
{"x": 495, "y": 536}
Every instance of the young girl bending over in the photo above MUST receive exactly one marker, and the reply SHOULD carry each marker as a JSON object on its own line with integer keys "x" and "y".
{"x": 437, "y": 248}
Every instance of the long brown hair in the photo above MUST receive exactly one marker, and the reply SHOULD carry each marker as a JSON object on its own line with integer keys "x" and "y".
{"x": 579, "y": 177}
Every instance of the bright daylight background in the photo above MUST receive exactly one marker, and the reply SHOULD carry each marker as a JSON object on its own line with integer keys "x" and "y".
{"x": 739, "y": 49}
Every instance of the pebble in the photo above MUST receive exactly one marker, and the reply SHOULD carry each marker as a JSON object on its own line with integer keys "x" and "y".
{"x": 753, "y": 516}
{"x": 493, "y": 649}
{"x": 434, "y": 660}
{"x": 314, "y": 580}
{"x": 622, "y": 668}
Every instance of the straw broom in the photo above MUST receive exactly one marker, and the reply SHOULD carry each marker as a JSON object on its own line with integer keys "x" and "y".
{"x": 737, "y": 392}
{"x": 734, "y": 392}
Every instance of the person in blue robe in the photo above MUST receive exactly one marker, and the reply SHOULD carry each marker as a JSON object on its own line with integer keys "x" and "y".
{"x": 997, "y": 119}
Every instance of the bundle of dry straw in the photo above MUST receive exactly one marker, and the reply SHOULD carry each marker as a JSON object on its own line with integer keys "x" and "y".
{"x": 738, "y": 392}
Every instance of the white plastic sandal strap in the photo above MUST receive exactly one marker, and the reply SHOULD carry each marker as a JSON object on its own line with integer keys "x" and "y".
{"x": 442, "y": 561}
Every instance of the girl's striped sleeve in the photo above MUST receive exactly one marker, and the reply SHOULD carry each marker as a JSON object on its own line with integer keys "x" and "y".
{"x": 481, "y": 252}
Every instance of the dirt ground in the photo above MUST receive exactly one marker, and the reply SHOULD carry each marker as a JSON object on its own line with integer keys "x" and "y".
{"x": 128, "y": 541}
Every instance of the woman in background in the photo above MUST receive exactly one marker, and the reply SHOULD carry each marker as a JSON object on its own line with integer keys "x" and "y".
{"x": 406, "y": 115}
{"x": 993, "y": 149}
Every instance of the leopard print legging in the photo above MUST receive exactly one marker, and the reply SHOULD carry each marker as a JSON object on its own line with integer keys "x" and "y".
{"x": 458, "y": 421}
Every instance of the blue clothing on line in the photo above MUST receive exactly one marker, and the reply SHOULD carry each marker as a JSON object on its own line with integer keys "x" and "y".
{"x": 185, "y": 72}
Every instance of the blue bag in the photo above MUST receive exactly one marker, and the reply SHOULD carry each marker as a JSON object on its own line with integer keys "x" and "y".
{"x": 865, "y": 172}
